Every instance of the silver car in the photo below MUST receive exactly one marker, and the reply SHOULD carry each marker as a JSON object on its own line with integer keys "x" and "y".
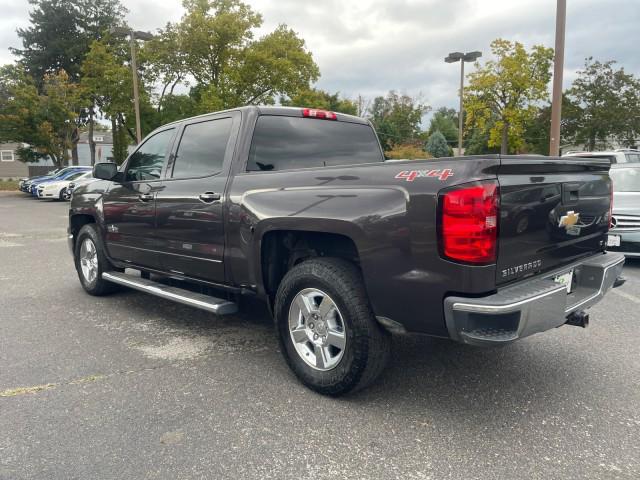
{"x": 625, "y": 222}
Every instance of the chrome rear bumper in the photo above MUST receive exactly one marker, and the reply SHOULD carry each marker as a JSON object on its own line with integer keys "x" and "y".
{"x": 532, "y": 306}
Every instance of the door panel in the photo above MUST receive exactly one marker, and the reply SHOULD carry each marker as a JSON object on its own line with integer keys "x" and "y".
{"x": 129, "y": 207}
{"x": 189, "y": 215}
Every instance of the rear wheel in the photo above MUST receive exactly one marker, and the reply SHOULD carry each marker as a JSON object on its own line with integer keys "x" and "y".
{"x": 328, "y": 333}
{"x": 91, "y": 262}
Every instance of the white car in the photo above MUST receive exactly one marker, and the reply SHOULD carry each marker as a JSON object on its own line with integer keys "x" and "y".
{"x": 622, "y": 155}
{"x": 59, "y": 190}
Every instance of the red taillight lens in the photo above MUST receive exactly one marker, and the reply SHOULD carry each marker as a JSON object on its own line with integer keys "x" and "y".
{"x": 315, "y": 113}
{"x": 469, "y": 223}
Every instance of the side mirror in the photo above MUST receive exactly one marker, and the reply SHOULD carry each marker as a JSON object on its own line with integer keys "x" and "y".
{"x": 105, "y": 170}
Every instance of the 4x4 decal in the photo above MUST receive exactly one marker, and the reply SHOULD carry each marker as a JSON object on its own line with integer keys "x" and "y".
{"x": 411, "y": 175}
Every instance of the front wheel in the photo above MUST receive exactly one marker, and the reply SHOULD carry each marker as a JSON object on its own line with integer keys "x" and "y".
{"x": 91, "y": 262}
{"x": 327, "y": 331}
{"x": 64, "y": 194}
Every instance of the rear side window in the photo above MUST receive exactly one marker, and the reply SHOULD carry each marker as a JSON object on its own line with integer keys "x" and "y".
{"x": 146, "y": 162}
{"x": 202, "y": 148}
{"x": 633, "y": 157}
{"x": 283, "y": 143}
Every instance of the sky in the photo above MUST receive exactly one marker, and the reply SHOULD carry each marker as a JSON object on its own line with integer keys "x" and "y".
{"x": 368, "y": 47}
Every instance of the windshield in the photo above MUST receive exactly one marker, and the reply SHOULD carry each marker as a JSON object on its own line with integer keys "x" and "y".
{"x": 625, "y": 179}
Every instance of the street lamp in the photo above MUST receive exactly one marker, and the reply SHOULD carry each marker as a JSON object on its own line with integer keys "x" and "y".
{"x": 133, "y": 36}
{"x": 454, "y": 57}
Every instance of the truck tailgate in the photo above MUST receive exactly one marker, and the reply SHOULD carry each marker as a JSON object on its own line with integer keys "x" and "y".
{"x": 552, "y": 212}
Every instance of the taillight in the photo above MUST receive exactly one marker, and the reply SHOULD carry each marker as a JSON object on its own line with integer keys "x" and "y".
{"x": 315, "y": 113}
{"x": 469, "y": 223}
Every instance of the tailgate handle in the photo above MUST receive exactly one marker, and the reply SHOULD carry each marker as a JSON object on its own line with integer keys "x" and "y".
{"x": 570, "y": 193}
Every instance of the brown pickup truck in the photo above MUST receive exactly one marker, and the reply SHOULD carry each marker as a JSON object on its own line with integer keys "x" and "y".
{"x": 299, "y": 207}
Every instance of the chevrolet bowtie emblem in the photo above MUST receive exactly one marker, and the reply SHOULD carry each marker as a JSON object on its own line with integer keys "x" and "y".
{"x": 569, "y": 220}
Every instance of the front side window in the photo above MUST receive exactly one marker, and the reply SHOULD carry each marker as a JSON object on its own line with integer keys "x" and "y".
{"x": 146, "y": 162}
{"x": 202, "y": 148}
{"x": 282, "y": 143}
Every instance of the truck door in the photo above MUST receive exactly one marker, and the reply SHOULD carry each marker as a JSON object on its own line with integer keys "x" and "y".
{"x": 189, "y": 206}
{"x": 129, "y": 206}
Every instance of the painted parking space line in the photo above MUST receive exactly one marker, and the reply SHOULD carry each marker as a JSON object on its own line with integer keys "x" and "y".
{"x": 626, "y": 295}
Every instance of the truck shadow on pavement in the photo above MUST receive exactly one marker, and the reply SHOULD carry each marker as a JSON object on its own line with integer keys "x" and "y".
{"x": 435, "y": 374}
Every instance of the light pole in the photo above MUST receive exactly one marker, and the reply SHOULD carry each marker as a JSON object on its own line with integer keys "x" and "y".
{"x": 558, "y": 71}
{"x": 454, "y": 57}
{"x": 133, "y": 36}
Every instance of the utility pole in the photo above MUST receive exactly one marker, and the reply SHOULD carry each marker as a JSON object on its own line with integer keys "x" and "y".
{"x": 136, "y": 96}
{"x": 558, "y": 70}
{"x": 133, "y": 36}
{"x": 462, "y": 58}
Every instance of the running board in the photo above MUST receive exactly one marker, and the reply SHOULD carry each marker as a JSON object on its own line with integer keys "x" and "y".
{"x": 215, "y": 305}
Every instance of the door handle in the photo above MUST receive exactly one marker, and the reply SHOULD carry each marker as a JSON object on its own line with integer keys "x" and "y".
{"x": 145, "y": 197}
{"x": 209, "y": 197}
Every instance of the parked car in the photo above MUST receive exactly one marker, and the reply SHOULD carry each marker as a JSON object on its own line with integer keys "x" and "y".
{"x": 625, "y": 221}
{"x": 298, "y": 207}
{"x": 59, "y": 189}
{"x": 622, "y": 155}
{"x": 26, "y": 185}
{"x": 62, "y": 175}
{"x": 78, "y": 183}
{"x": 22, "y": 181}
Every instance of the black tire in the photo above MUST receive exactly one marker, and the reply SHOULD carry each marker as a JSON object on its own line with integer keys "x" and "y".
{"x": 61, "y": 194}
{"x": 368, "y": 345}
{"x": 96, "y": 286}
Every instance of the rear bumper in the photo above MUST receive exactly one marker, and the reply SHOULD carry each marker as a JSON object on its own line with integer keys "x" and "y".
{"x": 532, "y": 306}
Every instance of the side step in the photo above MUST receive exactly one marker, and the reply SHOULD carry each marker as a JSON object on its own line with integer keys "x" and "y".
{"x": 215, "y": 305}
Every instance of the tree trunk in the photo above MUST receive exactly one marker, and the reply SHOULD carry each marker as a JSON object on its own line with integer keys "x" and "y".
{"x": 504, "y": 145}
{"x": 116, "y": 140}
{"x": 92, "y": 144}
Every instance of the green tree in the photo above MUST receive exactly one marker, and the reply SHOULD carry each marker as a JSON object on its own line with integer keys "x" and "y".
{"x": 503, "y": 95}
{"x": 316, "y": 98}
{"x": 61, "y": 32}
{"x": 397, "y": 118}
{"x": 602, "y": 105}
{"x": 44, "y": 122}
{"x": 445, "y": 120}
{"x": 437, "y": 145}
{"x": 108, "y": 83}
{"x": 214, "y": 44}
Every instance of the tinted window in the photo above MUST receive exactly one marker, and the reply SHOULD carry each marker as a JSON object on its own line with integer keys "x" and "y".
{"x": 281, "y": 143}
{"x": 146, "y": 162}
{"x": 625, "y": 179}
{"x": 202, "y": 148}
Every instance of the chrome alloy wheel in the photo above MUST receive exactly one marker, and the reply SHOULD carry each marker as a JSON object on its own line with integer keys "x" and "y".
{"x": 317, "y": 329}
{"x": 89, "y": 260}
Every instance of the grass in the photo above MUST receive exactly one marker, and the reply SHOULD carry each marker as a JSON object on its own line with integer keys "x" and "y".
{"x": 8, "y": 185}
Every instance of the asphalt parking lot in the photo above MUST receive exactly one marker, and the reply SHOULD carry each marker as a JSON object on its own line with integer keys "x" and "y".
{"x": 131, "y": 386}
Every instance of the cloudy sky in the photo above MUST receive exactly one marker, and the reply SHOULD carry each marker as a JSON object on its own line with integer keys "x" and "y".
{"x": 371, "y": 46}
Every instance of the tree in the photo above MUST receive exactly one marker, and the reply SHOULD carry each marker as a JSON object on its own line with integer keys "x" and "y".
{"x": 437, "y": 145}
{"x": 602, "y": 106}
{"x": 59, "y": 37}
{"x": 214, "y": 43}
{"x": 406, "y": 152}
{"x": 61, "y": 32}
{"x": 397, "y": 118}
{"x": 44, "y": 122}
{"x": 107, "y": 82}
{"x": 445, "y": 120}
{"x": 502, "y": 96}
{"x": 316, "y": 98}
